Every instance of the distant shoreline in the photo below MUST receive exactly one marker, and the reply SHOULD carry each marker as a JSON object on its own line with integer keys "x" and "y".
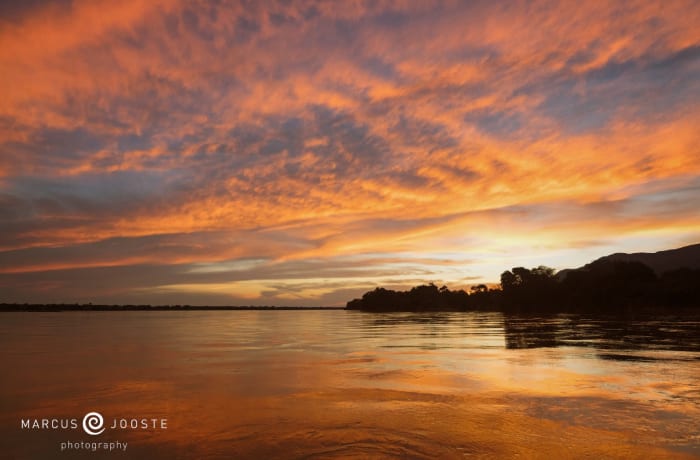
{"x": 89, "y": 307}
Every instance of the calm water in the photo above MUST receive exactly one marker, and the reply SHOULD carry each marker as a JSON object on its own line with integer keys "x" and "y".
{"x": 341, "y": 384}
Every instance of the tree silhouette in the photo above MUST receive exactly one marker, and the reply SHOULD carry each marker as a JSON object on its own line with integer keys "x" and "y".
{"x": 603, "y": 286}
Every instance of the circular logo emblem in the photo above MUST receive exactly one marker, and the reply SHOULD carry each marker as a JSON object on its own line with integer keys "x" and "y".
{"x": 93, "y": 423}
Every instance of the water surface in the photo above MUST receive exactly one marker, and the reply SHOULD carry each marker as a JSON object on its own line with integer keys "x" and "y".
{"x": 347, "y": 384}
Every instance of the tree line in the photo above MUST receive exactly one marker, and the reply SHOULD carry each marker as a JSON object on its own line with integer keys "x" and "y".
{"x": 602, "y": 286}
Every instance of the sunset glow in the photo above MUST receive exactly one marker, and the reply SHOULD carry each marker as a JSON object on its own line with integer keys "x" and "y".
{"x": 303, "y": 152}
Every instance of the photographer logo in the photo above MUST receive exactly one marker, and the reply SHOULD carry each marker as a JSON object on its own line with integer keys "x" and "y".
{"x": 93, "y": 423}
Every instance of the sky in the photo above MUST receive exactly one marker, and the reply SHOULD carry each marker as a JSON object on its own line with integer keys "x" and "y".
{"x": 303, "y": 152}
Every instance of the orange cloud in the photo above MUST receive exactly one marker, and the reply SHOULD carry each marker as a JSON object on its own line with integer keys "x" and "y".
{"x": 309, "y": 131}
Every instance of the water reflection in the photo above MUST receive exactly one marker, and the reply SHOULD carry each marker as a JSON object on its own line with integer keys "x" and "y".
{"x": 611, "y": 333}
{"x": 340, "y": 384}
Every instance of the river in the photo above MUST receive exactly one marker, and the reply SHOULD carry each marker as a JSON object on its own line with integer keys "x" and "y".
{"x": 347, "y": 384}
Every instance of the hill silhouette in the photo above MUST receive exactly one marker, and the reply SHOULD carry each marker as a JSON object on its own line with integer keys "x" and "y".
{"x": 663, "y": 261}
{"x": 660, "y": 262}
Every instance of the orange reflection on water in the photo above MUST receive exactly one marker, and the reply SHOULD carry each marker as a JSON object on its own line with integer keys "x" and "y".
{"x": 343, "y": 384}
